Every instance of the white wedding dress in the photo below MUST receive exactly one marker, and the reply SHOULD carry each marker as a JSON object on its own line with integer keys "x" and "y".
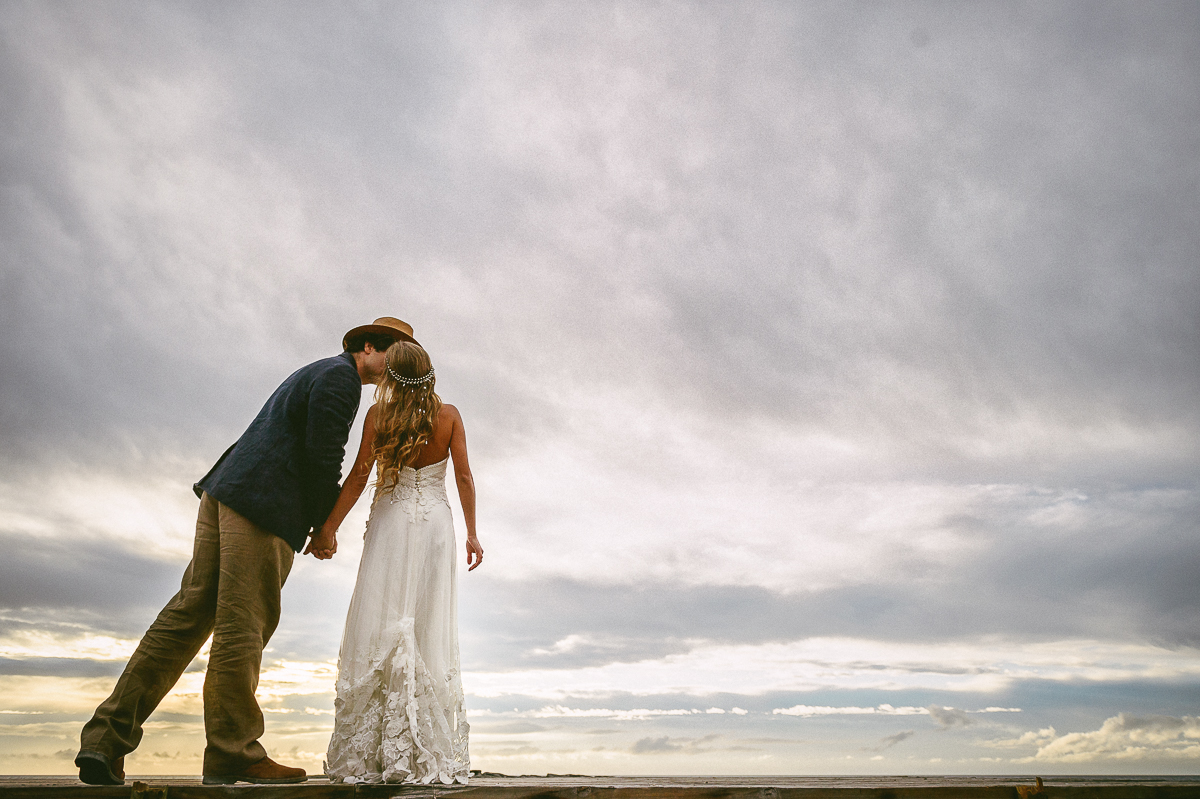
{"x": 399, "y": 714}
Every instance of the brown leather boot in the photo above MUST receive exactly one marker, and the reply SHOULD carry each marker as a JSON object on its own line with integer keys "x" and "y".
{"x": 97, "y": 769}
{"x": 264, "y": 772}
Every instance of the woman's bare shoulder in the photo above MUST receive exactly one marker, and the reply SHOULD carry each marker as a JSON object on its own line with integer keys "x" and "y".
{"x": 372, "y": 418}
{"x": 447, "y": 421}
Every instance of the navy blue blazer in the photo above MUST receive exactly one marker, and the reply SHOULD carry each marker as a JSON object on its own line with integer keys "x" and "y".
{"x": 284, "y": 473}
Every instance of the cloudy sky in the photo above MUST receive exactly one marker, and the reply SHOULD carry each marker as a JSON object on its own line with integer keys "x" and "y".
{"x": 829, "y": 369}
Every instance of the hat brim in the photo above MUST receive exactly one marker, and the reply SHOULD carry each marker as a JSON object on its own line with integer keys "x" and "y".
{"x": 394, "y": 332}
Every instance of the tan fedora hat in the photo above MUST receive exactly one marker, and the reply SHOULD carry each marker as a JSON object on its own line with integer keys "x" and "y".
{"x": 387, "y": 325}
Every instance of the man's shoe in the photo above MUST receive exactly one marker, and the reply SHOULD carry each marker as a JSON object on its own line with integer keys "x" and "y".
{"x": 264, "y": 772}
{"x": 97, "y": 769}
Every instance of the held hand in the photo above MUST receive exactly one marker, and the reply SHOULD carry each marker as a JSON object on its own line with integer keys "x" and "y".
{"x": 323, "y": 545}
{"x": 474, "y": 552}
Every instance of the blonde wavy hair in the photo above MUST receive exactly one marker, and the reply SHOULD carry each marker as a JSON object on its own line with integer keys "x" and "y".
{"x": 406, "y": 411}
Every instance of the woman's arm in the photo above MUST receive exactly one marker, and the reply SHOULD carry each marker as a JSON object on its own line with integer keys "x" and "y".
{"x": 323, "y": 545}
{"x": 465, "y": 483}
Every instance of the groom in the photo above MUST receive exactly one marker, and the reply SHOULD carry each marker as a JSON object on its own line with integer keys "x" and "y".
{"x": 258, "y": 504}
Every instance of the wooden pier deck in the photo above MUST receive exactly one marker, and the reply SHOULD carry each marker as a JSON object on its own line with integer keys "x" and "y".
{"x": 581, "y": 787}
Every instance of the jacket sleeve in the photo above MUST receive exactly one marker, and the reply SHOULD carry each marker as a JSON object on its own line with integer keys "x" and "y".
{"x": 332, "y": 405}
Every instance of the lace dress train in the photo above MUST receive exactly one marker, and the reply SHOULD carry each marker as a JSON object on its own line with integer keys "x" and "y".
{"x": 399, "y": 715}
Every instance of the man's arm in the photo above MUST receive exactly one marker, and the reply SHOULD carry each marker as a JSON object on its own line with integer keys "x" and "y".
{"x": 323, "y": 544}
{"x": 332, "y": 403}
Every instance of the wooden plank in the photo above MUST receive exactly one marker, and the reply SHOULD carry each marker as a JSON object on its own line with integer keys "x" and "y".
{"x": 628, "y": 788}
{"x": 302, "y": 790}
{"x": 824, "y": 792}
{"x": 79, "y": 791}
{"x": 140, "y": 790}
{"x": 1175, "y": 791}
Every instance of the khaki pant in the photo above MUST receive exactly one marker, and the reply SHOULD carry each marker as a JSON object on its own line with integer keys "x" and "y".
{"x": 231, "y": 591}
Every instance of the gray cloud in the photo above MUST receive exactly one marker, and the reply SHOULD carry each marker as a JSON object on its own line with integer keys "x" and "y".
{"x": 514, "y": 728}
{"x": 1128, "y": 578}
{"x": 891, "y": 740}
{"x": 61, "y": 754}
{"x": 60, "y": 667}
{"x": 690, "y": 746}
{"x": 644, "y": 746}
{"x": 103, "y": 585}
{"x": 949, "y": 717}
{"x": 802, "y": 217}
{"x": 966, "y": 278}
{"x": 1127, "y": 573}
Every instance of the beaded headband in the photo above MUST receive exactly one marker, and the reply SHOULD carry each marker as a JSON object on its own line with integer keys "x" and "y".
{"x": 411, "y": 381}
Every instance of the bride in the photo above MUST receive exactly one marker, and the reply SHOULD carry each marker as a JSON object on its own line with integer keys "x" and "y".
{"x": 399, "y": 713}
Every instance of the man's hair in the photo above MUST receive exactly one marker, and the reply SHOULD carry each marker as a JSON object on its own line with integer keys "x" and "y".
{"x": 380, "y": 341}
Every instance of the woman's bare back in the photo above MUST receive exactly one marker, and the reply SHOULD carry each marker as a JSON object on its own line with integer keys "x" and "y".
{"x": 437, "y": 449}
